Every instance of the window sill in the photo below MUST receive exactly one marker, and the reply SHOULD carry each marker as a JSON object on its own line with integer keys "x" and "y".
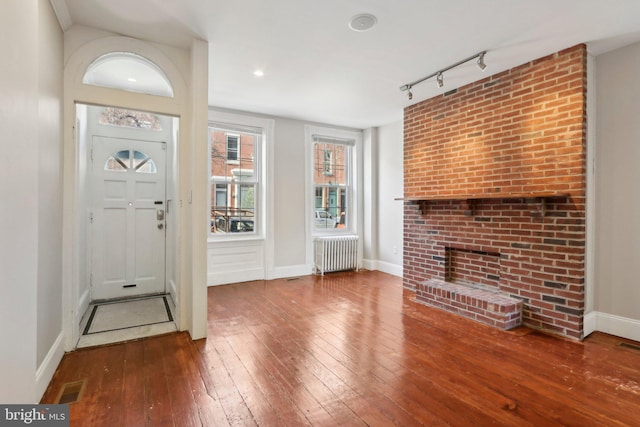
{"x": 235, "y": 238}
{"x": 332, "y": 232}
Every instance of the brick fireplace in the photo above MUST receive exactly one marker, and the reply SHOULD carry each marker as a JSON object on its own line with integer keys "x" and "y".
{"x": 495, "y": 192}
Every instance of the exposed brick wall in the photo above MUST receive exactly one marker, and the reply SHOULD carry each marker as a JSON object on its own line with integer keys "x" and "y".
{"x": 517, "y": 132}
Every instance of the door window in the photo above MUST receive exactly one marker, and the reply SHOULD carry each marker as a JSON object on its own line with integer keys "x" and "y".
{"x": 124, "y": 160}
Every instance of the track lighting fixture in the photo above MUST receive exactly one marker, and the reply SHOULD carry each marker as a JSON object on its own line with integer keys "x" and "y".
{"x": 481, "y": 63}
{"x": 440, "y": 76}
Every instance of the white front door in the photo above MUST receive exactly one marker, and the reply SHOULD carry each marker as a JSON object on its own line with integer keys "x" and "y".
{"x": 127, "y": 217}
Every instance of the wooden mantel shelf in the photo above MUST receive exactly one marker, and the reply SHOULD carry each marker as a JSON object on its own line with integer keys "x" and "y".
{"x": 540, "y": 200}
{"x": 532, "y": 195}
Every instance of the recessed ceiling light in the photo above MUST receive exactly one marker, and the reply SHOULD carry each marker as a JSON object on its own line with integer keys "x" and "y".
{"x": 362, "y": 22}
{"x": 131, "y": 79}
{"x": 258, "y": 73}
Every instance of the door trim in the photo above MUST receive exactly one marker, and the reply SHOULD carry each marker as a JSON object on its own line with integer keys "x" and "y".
{"x": 189, "y": 108}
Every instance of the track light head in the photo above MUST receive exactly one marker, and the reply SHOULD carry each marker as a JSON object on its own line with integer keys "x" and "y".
{"x": 480, "y": 61}
{"x": 440, "y": 77}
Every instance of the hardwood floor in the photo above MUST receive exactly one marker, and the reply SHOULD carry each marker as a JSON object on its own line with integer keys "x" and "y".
{"x": 350, "y": 349}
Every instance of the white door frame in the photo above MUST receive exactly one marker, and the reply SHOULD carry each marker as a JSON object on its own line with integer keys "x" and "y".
{"x": 190, "y": 105}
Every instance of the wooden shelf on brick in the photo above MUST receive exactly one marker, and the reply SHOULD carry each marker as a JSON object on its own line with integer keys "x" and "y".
{"x": 539, "y": 200}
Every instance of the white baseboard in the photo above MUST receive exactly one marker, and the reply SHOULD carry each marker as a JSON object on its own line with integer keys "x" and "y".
{"x": 83, "y": 305}
{"x": 48, "y": 367}
{"x": 393, "y": 269}
{"x": 173, "y": 291}
{"x": 616, "y": 325}
{"x": 369, "y": 264}
{"x": 290, "y": 271}
{"x": 385, "y": 267}
{"x": 590, "y": 323}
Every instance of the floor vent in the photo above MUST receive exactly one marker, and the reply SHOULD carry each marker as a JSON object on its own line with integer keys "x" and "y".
{"x": 630, "y": 346}
{"x": 71, "y": 392}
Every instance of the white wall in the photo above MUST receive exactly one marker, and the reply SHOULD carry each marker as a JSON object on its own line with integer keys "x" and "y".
{"x": 50, "y": 77}
{"x": 30, "y": 222}
{"x": 289, "y": 235}
{"x": 389, "y": 170}
{"x": 383, "y": 183}
{"x": 370, "y": 190}
{"x": 383, "y": 188}
{"x": 289, "y": 178}
{"x": 617, "y": 222}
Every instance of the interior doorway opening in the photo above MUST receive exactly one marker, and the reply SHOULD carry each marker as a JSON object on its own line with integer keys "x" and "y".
{"x": 127, "y": 187}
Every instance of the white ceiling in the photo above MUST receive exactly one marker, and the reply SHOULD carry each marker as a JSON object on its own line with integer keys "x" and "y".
{"x": 317, "y": 69}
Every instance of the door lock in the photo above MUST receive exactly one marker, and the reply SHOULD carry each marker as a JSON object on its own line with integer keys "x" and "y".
{"x": 160, "y": 214}
{"x": 160, "y": 226}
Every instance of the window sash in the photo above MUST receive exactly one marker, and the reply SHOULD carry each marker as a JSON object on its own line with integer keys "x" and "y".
{"x": 332, "y": 183}
{"x": 240, "y": 184}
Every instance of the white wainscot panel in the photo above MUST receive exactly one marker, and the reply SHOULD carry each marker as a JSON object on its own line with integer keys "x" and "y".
{"x": 232, "y": 262}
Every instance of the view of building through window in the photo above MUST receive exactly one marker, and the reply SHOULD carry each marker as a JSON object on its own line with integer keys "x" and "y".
{"x": 331, "y": 183}
{"x": 129, "y": 118}
{"x": 234, "y": 180}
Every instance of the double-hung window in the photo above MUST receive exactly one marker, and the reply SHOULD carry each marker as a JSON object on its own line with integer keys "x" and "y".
{"x": 235, "y": 179}
{"x": 333, "y": 183}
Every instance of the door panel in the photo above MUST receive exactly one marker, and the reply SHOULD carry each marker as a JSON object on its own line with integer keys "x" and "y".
{"x": 127, "y": 230}
{"x": 113, "y": 234}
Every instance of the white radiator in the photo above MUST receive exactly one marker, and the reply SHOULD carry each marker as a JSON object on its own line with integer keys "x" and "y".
{"x": 336, "y": 253}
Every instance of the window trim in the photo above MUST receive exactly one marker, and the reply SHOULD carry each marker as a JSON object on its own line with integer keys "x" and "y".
{"x": 263, "y": 223}
{"x": 352, "y": 138}
{"x": 235, "y": 185}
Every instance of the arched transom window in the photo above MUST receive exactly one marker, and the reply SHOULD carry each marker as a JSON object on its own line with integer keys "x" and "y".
{"x": 130, "y": 72}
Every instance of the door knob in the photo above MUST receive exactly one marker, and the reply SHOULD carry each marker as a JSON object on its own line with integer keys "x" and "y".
{"x": 160, "y": 226}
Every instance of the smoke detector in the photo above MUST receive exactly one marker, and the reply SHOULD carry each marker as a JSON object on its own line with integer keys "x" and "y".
{"x": 362, "y": 22}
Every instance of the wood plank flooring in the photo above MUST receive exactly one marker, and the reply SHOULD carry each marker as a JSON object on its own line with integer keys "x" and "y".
{"x": 350, "y": 349}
